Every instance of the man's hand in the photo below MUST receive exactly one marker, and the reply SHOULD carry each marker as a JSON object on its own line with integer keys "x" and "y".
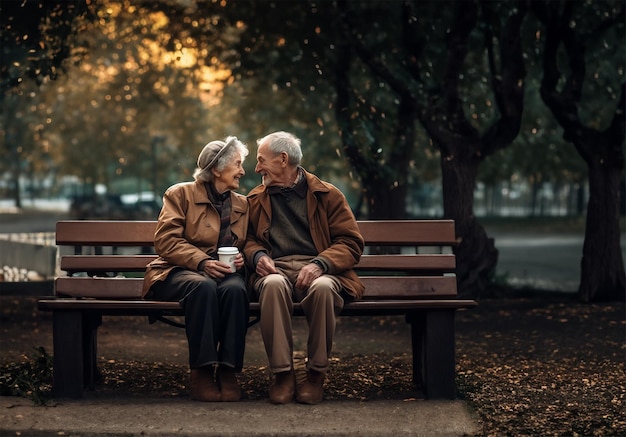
{"x": 265, "y": 266}
{"x": 307, "y": 275}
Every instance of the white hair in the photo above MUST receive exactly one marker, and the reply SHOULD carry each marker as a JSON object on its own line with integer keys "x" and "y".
{"x": 218, "y": 154}
{"x": 284, "y": 142}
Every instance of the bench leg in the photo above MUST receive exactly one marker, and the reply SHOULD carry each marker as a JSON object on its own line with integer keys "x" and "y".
{"x": 434, "y": 359}
{"x": 90, "y": 349}
{"x": 418, "y": 327}
{"x": 74, "y": 342}
{"x": 67, "y": 338}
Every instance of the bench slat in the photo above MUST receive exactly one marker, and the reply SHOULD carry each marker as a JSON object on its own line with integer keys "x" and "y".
{"x": 141, "y": 233}
{"x": 136, "y": 307}
{"x": 105, "y": 263}
{"x": 105, "y": 233}
{"x": 403, "y": 232}
{"x": 96, "y": 287}
{"x": 376, "y": 287}
{"x": 443, "y": 262}
{"x": 406, "y": 287}
{"x": 70, "y": 304}
{"x": 137, "y": 263}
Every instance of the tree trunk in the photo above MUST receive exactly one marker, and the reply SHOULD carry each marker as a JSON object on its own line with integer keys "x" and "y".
{"x": 16, "y": 172}
{"x": 17, "y": 192}
{"x": 602, "y": 267}
{"x": 387, "y": 204}
{"x": 476, "y": 253}
{"x": 580, "y": 199}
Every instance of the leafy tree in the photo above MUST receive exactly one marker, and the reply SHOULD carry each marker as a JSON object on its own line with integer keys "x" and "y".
{"x": 294, "y": 67}
{"x": 140, "y": 103}
{"x": 36, "y": 37}
{"x": 427, "y": 60}
{"x": 537, "y": 155}
{"x": 21, "y": 129}
{"x": 390, "y": 86}
{"x": 583, "y": 42}
{"x": 284, "y": 69}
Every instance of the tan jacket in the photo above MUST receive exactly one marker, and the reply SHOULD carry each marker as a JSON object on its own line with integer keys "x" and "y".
{"x": 333, "y": 227}
{"x": 188, "y": 230}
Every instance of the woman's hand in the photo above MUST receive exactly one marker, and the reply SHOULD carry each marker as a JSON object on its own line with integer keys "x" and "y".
{"x": 215, "y": 269}
{"x": 239, "y": 261}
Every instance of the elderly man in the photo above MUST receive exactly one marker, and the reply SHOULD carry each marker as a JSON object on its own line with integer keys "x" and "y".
{"x": 302, "y": 245}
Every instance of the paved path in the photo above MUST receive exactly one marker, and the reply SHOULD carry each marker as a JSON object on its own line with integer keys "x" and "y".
{"x": 177, "y": 417}
{"x": 544, "y": 262}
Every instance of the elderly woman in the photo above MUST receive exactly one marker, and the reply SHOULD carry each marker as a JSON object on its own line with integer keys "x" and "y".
{"x": 196, "y": 219}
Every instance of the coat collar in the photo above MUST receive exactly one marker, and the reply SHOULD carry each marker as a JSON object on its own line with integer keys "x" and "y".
{"x": 200, "y": 196}
{"x": 313, "y": 182}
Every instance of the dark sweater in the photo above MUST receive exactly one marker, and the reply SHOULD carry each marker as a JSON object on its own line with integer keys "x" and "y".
{"x": 290, "y": 233}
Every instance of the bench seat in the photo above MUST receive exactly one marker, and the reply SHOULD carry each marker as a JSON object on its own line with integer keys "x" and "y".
{"x": 150, "y": 307}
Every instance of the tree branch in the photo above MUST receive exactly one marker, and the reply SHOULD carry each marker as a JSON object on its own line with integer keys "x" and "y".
{"x": 508, "y": 86}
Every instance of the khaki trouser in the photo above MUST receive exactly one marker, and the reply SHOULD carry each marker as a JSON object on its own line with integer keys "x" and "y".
{"x": 321, "y": 304}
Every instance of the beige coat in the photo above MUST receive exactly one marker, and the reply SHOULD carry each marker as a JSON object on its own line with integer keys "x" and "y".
{"x": 333, "y": 227}
{"x": 188, "y": 230}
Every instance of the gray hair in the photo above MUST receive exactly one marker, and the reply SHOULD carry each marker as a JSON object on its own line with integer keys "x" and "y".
{"x": 218, "y": 154}
{"x": 284, "y": 142}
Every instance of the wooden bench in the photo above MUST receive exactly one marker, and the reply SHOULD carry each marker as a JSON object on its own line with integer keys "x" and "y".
{"x": 104, "y": 277}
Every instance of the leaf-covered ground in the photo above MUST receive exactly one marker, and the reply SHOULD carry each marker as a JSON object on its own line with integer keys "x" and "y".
{"x": 547, "y": 367}
{"x": 539, "y": 366}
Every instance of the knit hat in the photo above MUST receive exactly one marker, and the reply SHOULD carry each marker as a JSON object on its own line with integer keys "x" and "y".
{"x": 211, "y": 153}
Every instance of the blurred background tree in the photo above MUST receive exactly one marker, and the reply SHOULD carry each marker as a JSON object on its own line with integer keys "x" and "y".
{"x": 37, "y": 38}
{"x": 577, "y": 51}
{"x": 412, "y": 108}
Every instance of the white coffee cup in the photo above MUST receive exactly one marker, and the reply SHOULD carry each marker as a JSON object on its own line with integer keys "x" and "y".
{"x": 227, "y": 255}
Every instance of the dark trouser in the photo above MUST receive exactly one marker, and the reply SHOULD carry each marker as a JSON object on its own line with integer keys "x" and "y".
{"x": 216, "y": 315}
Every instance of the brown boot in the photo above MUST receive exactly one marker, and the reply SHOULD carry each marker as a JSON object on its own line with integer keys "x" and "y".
{"x": 283, "y": 387}
{"x": 202, "y": 385}
{"x": 231, "y": 391}
{"x": 312, "y": 390}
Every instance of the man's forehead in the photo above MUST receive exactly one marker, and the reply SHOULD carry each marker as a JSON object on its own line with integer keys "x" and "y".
{"x": 265, "y": 152}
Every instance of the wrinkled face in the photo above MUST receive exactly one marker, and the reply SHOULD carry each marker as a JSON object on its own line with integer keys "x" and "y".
{"x": 228, "y": 179}
{"x": 272, "y": 167}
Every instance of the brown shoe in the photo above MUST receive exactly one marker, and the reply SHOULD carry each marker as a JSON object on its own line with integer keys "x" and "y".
{"x": 312, "y": 390}
{"x": 202, "y": 385}
{"x": 283, "y": 387}
{"x": 231, "y": 391}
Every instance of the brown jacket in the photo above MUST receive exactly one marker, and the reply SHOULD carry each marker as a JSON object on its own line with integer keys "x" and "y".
{"x": 333, "y": 228}
{"x": 188, "y": 230}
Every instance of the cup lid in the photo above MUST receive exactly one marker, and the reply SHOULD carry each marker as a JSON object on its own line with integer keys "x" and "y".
{"x": 228, "y": 250}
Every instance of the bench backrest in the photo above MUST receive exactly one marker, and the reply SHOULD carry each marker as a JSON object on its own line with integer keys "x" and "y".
{"x": 110, "y": 257}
